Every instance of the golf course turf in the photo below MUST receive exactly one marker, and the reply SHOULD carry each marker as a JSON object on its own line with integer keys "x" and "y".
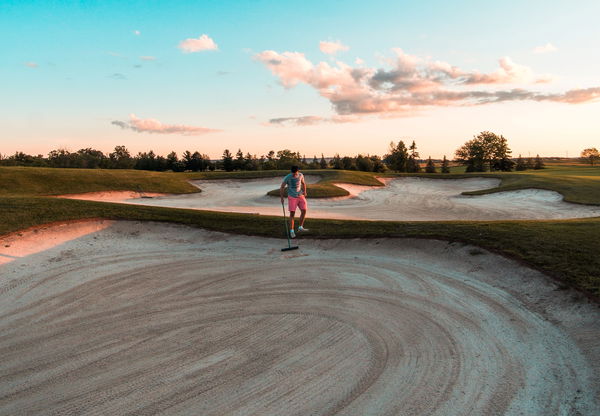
{"x": 564, "y": 249}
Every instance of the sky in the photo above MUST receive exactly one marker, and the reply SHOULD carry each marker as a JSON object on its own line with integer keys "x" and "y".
{"x": 316, "y": 77}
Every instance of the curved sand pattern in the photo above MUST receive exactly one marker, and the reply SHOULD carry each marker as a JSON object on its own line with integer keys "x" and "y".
{"x": 153, "y": 318}
{"x": 402, "y": 199}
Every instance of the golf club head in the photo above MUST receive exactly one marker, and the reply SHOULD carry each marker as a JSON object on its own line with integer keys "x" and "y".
{"x": 289, "y": 248}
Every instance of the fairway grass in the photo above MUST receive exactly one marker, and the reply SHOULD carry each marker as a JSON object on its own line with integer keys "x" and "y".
{"x": 564, "y": 249}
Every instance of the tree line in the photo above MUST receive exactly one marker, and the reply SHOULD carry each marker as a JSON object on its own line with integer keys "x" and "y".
{"x": 485, "y": 152}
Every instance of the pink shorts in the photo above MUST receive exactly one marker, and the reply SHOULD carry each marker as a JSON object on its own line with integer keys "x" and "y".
{"x": 299, "y": 202}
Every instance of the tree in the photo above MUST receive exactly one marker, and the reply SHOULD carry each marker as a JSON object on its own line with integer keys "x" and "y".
{"x": 348, "y": 163}
{"x": 430, "y": 168}
{"x": 590, "y": 155}
{"x": 378, "y": 165}
{"x": 529, "y": 163}
{"x": 323, "y": 162}
{"x": 89, "y": 158}
{"x": 286, "y": 158}
{"x": 504, "y": 164}
{"x": 412, "y": 163}
{"x": 484, "y": 151}
{"x": 445, "y": 165}
{"x": 120, "y": 158}
{"x": 336, "y": 162}
{"x": 173, "y": 163}
{"x": 238, "y": 163}
{"x": 521, "y": 165}
{"x": 397, "y": 157}
{"x": 364, "y": 163}
{"x": 227, "y": 160}
{"x": 538, "y": 163}
{"x": 315, "y": 163}
{"x": 250, "y": 162}
{"x": 270, "y": 163}
{"x": 61, "y": 158}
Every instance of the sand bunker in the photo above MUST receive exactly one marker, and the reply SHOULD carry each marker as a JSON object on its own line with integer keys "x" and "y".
{"x": 402, "y": 199}
{"x": 150, "y": 318}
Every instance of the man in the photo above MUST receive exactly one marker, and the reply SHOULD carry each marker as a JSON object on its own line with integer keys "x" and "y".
{"x": 296, "y": 188}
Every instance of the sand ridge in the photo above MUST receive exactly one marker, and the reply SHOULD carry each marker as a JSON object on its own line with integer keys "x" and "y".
{"x": 156, "y": 318}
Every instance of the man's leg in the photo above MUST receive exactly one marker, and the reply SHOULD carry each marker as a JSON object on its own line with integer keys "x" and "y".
{"x": 292, "y": 213}
{"x": 302, "y": 215}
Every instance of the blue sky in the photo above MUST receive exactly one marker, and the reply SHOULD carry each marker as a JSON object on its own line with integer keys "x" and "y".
{"x": 71, "y": 69}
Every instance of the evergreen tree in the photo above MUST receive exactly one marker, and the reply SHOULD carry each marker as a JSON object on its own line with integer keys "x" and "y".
{"x": 430, "y": 168}
{"x": 187, "y": 160}
{"x": 336, "y": 162}
{"x": 445, "y": 165}
{"x": 315, "y": 163}
{"x": 538, "y": 163}
{"x": 323, "y": 162}
{"x": 227, "y": 160}
{"x": 173, "y": 163}
{"x": 520, "y": 164}
{"x": 412, "y": 164}
{"x": 530, "y": 164}
{"x": 238, "y": 163}
{"x": 270, "y": 163}
{"x": 397, "y": 157}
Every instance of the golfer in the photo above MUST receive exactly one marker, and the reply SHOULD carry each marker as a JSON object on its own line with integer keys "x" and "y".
{"x": 296, "y": 197}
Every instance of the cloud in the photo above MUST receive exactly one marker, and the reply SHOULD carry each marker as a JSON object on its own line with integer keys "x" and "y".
{"x": 137, "y": 32}
{"x": 31, "y": 65}
{"x": 407, "y": 85}
{"x": 117, "y": 76}
{"x": 203, "y": 43}
{"x": 309, "y": 120}
{"x": 331, "y": 48}
{"x": 548, "y": 47}
{"x": 150, "y": 125}
{"x": 148, "y": 58}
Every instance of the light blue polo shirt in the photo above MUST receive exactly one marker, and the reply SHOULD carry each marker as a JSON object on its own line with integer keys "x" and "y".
{"x": 294, "y": 184}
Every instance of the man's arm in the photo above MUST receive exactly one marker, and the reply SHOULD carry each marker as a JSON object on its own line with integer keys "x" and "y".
{"x": 303, "y": 184}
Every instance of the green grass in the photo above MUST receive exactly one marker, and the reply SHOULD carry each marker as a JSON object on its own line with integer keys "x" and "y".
{"x": 577, "y": 183}
{"x": 565, "y": 249}
{"x": 19, "y": 181}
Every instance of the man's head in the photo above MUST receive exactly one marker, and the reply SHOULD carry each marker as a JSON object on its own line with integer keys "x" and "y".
{"x": 294, "y": 169}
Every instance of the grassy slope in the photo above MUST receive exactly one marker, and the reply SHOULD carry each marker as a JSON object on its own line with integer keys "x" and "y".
{"x": 578, "y": 184}
{"x": 567, "y": 250}
{"x": 18, "y": 181}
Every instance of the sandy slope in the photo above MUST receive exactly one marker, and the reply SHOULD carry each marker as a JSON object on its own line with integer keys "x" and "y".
{"x": 154, "y": 318}
{"x": 403, "y": 199}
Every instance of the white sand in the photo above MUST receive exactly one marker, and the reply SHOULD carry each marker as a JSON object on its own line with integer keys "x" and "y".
{"x": 150, "y": 318}
{"x": 402, "y": 199}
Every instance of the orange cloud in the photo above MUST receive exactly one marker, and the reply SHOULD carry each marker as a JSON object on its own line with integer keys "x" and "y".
{"x": 150, "y": 125}
{"x": 203, "y": 43}
{"x": 331, "y": 48}
{"x": 408, "y": 85}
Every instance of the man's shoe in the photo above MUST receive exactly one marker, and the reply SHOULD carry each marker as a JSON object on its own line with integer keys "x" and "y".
{"x": 302, "y": 229}
{"x": 293, "y": 234}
